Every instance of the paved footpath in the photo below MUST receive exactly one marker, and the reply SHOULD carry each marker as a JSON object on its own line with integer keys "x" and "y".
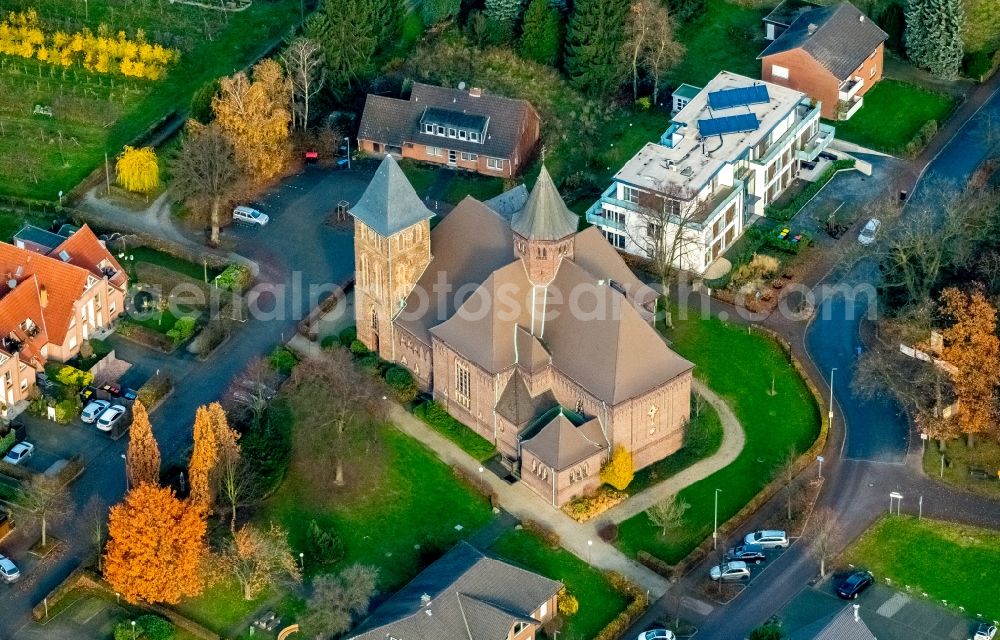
{"x": 581, "y": 539}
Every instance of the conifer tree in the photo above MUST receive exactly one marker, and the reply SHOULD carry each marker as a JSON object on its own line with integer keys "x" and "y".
{"x": 143, "y": 457}
{"x": 934, "y": 35}
{"x": 435, "y": 11}
{"x": 203, "y": 459}
{"x": 594, "y": 43}
{"x": 542, "y": 33}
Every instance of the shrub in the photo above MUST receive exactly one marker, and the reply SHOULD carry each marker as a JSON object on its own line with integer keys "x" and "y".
{"x": 358, "y": 348}
{"x": 155, "y": 627}
{"x": 86, "y": 350}
{"x": 348, "y": 336}
{"x": 73, "y": 377}
{"x": 7, "y": 441}
{"x": 329, "y": 342}
{"x": 618, "y": 471}
{"x": 644, "y": 103}
{"x": 587, "y": 507}
{"x": 235, "y": 277}
{"x": 922, "y": 137}
{"x": 567, "y": 603}
{"x": 635, "y": 608}
{"x": 266, "y": 446}
{"x": 806, "y": 194}
{"x": 183, "y": 329}
{"x": 214, "y": 333}
{"x": 154, "y": 390}
{"x": 768, "y": 631}
{"x": 324, "y": 545}
{"x": 66, "y": 410}
{"x": 401, "y": 382}
{"x": 608, "y": 532}
{"x": 370, "y": 363}
{"x": 282, "y": 360}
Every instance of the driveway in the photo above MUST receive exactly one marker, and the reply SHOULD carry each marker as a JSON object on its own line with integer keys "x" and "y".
{"x": 296, "y": 252}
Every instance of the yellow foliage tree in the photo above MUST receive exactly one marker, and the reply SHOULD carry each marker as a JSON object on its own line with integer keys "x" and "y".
{"x": 258, "y": 558}
{"x": 567, "y": 603}
{"x": 156, "y": 547}
{"x": 618, "y": 471}
{"x": 255, "y": 116}
{"x": 143, "y": 457}
{"x": 138, "y": 169}
{"x": 203, "y": 459}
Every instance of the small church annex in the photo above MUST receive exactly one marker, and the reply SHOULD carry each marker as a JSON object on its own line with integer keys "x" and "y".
{"x": 533, "y": 334}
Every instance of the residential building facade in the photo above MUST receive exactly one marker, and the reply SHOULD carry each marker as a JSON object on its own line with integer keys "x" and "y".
{"x": 470, "y": 130}
{"x": 488, "y": 314}
{"x": 54, "y": 296}
{"x": 465, "y": 595}
{"x": 833, "y": 54}
{"x": 728, "y": 154}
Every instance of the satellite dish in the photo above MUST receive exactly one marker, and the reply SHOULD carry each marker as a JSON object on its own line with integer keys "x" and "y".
{"x": 11, "y": 283}
{"x": 461, "y": 86}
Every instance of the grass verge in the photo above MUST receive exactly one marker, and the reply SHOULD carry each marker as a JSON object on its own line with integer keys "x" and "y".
{"x": 976, "y": 469}
{"x": 435, "y": 417}
{"x": 947, "y": 561}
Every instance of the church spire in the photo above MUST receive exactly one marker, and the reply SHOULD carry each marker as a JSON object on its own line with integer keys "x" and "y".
{"x": 545, "y": 216}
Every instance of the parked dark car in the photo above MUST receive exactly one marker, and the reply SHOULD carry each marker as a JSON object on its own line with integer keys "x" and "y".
{"x": 854, "y": 584}
{"x": 749, "y": 553}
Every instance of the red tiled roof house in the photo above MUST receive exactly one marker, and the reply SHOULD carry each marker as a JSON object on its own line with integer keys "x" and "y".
{"x": 471, "y": 130}
{"x": 832, "y": 54}
{"x": 52, "y": 298}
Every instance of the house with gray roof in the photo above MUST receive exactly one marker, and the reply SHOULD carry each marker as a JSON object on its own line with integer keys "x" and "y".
{"x": 536, "y": 336}
{"x": 465, "y": 595}
{"x": 458, "y": 128}
{"x": 832, "y": 53}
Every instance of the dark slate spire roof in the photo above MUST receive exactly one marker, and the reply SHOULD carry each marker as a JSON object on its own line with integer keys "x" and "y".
{"x": 545, "y": 215}
{"x": 390, "y": 204}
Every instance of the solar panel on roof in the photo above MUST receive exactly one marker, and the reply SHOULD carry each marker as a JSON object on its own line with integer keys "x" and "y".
{"x": 728, "y": 98}
{"x": 728, "y": 124}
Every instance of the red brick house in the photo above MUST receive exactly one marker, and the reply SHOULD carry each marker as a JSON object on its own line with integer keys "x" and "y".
{"x": 54, "y": 294}
{"x": 471, "y": 130}
{"x": 832, "y": 54}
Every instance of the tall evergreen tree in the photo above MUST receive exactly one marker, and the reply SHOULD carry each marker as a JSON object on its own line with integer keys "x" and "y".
{"x": 435, "y": 11}
{"x": 542, "y": 33}
{"x": 982, "y": 26}
{"x": 503, "y": 16}
{"x": 350, "y": 32}
{"x": 934, "y": 35}
{"x": 594, "y": 43}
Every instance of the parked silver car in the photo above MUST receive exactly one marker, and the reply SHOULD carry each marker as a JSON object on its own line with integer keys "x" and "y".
{"x": 730, "y": 571}
{"x": 110, "y": 417}
{"x": 767, "y": 539}
{"x": 93, "y": 410}
{"x": 8, "y": 570}
{"x": 19, "y": 453}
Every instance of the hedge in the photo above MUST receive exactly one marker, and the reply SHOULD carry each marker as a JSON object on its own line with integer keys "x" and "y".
{"x": 235, "y": 278}
{"x": 154, "y": 390}
{"x": 72, "y": 377}
{"x": 401, "y": 382}
{"x": 7, "y": 441}
{"x": 626, "y": 618}
{"x": 787, "y": 212}
{"x": 436, "y": 417}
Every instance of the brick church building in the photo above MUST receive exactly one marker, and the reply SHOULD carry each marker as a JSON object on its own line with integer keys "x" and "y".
{"x": 536, "y": 336}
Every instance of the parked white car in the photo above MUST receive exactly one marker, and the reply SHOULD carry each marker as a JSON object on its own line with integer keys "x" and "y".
{"x": 869, "y": 231}
{"x": 19, "y": 453}
{"x": 250, "y": 215}
{"x": 767, "y": 539}
{"x": 986, "y": 631}
{"x": 8, "y": 570}
{"x": 110, "y": 417}
{"x": 657, "y": 634}
{"x": 93, "y": 410}
{"x": 730, "y": 571}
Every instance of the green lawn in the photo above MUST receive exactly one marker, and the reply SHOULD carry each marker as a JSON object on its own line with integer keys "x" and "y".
{"x": 420, "y": 175}
{"x": 948, "y": 561}
{"x": 739, "y": 367}
{"x": 727, "y": 36}
{"x": 11, "y": 222}
{"x": 470, "y": 184}
{"x": 169, "y": 261}
{"x": 39, "y": 155}
{"x": 435, "y": 417}
{"x": 415, "y": 500}
{"x": 702, "y": 439}
{"x": 893, "y": 114}
{"x": 221, "y": 607}
{"x": 599, "y": 602}
{"x": 959, "y": 459}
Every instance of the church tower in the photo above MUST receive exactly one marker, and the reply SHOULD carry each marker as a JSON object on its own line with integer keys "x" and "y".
{"x": 392, "y": 247}
{"x": 543, "y": 231}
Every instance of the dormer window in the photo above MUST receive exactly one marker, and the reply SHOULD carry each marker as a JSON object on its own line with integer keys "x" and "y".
{"x": 462, "y": 134}
{"x": 474, "y": 136}
{"x": 451, "y": 132}
{"x": 440, "y": 130}
{"x": 429, "y": 128}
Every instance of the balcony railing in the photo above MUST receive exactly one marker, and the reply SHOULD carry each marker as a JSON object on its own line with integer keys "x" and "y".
{"x": 708, "y": 209}
{"x": 818, "y": 144}
{"x": 793, "y": 131}
{"x": 850, "y": 87}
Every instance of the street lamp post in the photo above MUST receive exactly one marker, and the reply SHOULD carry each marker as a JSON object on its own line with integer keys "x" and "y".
{"x": 133, "y": 629}
{"x": 302, "y": 561}
{"x": 820, "y": 460}
{"x": 482, "y": 482}
{"x": 347, "y": 139}
{"x": 590, "y": 555}
{"x": 125, "y": 458}
{"x": 829, "y": 414}
{"x": 715, "y": 522}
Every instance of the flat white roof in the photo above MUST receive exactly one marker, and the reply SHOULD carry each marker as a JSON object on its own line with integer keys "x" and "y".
{"x": 696, "y": 160}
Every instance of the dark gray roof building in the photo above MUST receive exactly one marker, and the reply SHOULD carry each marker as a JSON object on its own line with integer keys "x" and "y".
{"x": 843, "y": 625}
{"x": 389, "y": 203}
{"x": 465, "y": 595}
{"x": 840, "y": 37}
{"x": 545, "y": 216}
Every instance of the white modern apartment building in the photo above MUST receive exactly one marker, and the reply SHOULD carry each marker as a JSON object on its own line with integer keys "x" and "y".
{"x": 734, "y": 148}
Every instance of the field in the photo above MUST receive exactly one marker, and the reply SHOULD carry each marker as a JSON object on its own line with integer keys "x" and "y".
{"x": 740, "y": 367}
{"x": 946, "y": 561}
{"x": 892, "y": 115}
{"x": 727, "y": 36}
{"x": 983, "y": 459}
{"x": 42, "y": 155}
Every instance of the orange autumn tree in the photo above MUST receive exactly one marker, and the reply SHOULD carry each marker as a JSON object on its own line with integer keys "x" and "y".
{"x": 972, "y": 347}
{"x": 143, "y": 458}
{"x": 203, "y": 459}
{"x": 156, "y": 546}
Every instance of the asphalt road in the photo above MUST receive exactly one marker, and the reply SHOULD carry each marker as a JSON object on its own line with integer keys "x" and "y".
{"x": 298, "y": 254}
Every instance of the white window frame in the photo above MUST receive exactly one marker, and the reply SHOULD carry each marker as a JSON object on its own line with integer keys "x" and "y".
{"x": 434, "y": 151}
{"x": 871, "y": 74}
{"x": 494, "y": 164}
{"x": 779, "y": 71}
{"x": 615, "y": 239}
{"x": 429, "y": 128}
{"x": 474, "y": 136}
{"x": 469, "y": 156}
{"x": 462, "y": 134}
{"x": 452, "y": 132}
{"x": 440, "y": 130}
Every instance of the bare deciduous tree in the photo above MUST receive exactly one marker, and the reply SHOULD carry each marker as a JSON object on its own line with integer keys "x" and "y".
{"x": 236, "y": 482}
{"x": 667, "y": 514}
{"x": 346, "y": 403}
{"x": 785, "y": 472}
{"x": 339, "y": 600}
{"x": 825, "y": 539}
{"x": 303, "y": 62}
{"x": 47, "y": 499}
{"x": 206, "y": 169}
{"x": 650, "y": 44}
{"x": 257, "y": 558}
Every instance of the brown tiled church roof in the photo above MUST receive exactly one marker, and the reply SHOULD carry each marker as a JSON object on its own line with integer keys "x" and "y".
{"x": 560, "y": 444}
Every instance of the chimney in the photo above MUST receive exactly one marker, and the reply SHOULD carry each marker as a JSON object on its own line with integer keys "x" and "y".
{"x": 857, "y": 618}
{"x": 812, "y": 28}
{"x": 425, "y": 600}
{"x": 475, "y": 92}
{"x": 43, "y": 296}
